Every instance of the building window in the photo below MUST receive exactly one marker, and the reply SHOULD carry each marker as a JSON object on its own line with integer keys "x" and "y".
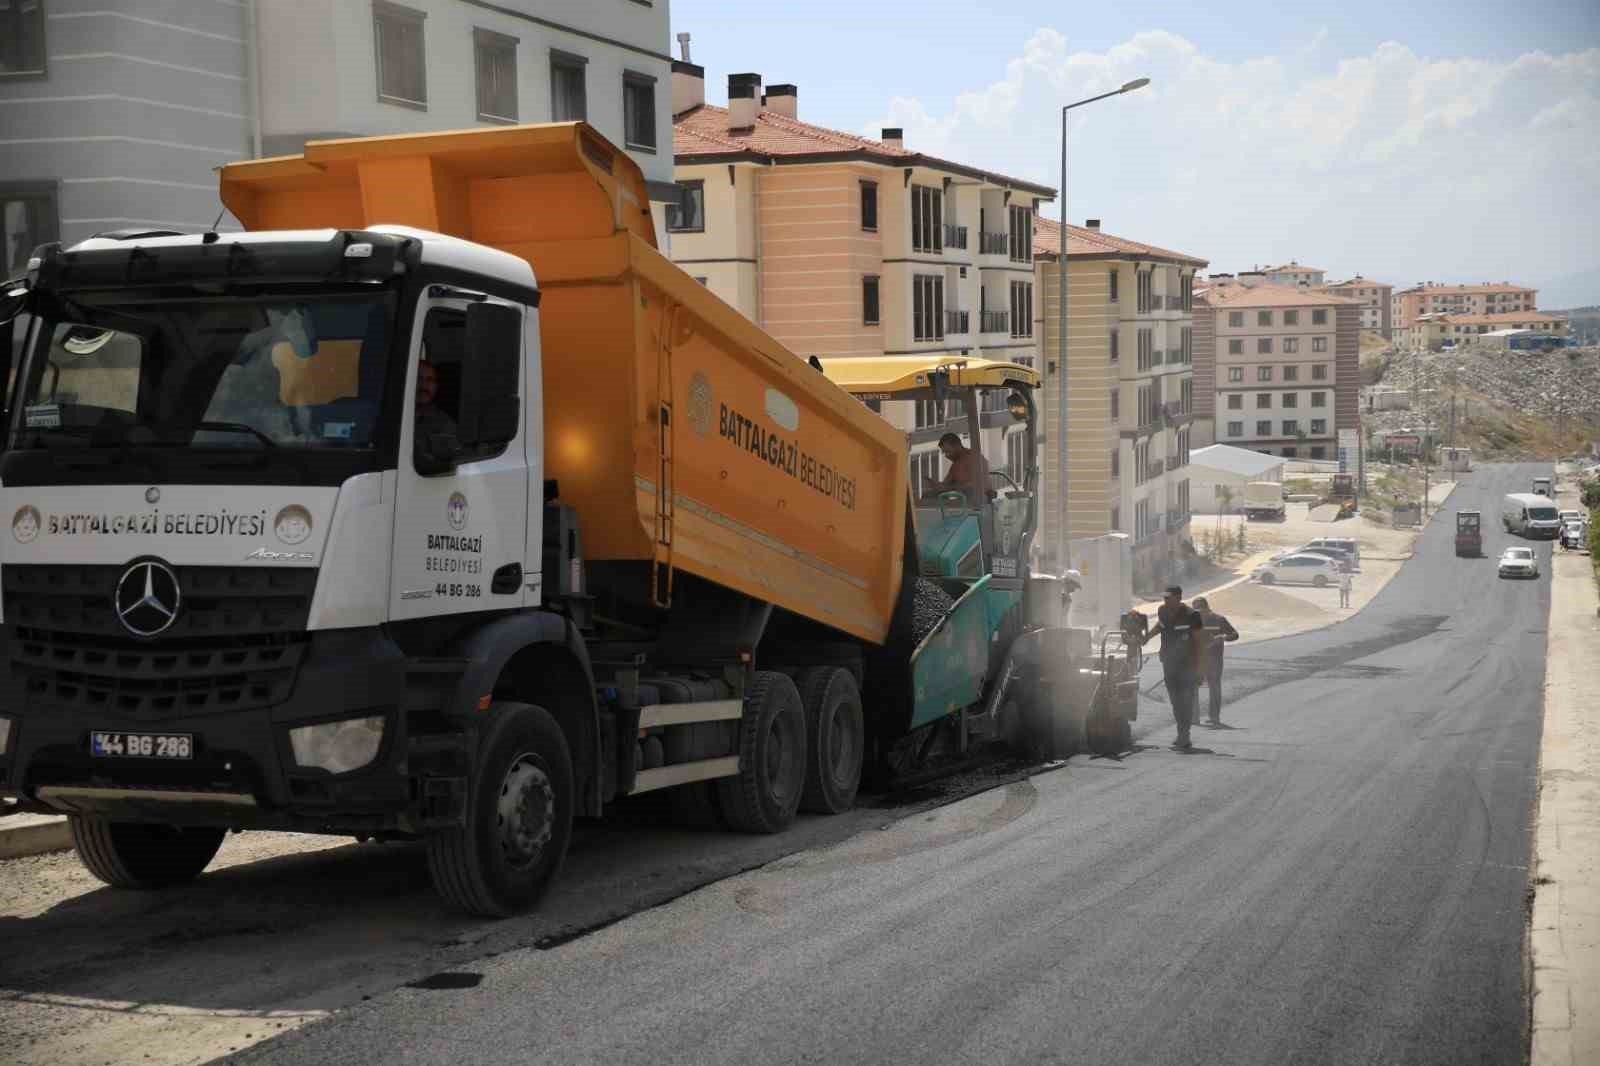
{"x": 1291, "y": 345}
{"x": 1263, "y": 428}
{"x": 1235, "y": 429}
{"x": 402, "y": 74}
{"x": 927, "y": 307}
{"x": 1147, "y": 404}
{"x": 1111, "y": 275}
{"x": 1319, "y": 425}
{"x": 869, "y": 300}
{"x": 1319, "y": 344}
{"x": 1291, "y": 399}
{"x": 30, "y": 218}
{"x": 1319, "y": 372}
{"x": 927, "y": 219}
{"x": 1188, "y": 292}
{"x": 1263, "y": 318}
{"x": 1147, "y": 347}
{"x": 869, "y": 206}
{"x": 1116, "y": 520}
{"x": 1115, "y": 339}
{"x": 1263, "y": 373}
{"x": 1319, "y": 317}
{"x": 639, "y": 110}
{"x": 1291, "y": 318}
{"x": 22, "y": 52}
{"x": 1021, "y": 235}
{"x": 1236, "y": 319}
{"x": 1022, "y": 308}
{"x": 1116, "y": 404}
{"x": 1291, "y": 426}
{"x": 1263, "y": 400}
{"x": 1264, "y": 346}
{"x": 1236, "y": 346}
{"x": 1319, "y": 399}
{"x": 1186, "y": 394}
{"x": 688, "y": 214}
{"x": 495, "y": 58}
{"x": 1146, "y": 293}
{"x": 1290, "y": 453}
{"x": 1291, "y": 373}
{"x": 568, "y": 98}
{"x": 1116, "y": 462}
{"x": 1236, "y": 401}
{"x": 1236, "y": 373}
{"x": 1318, "y": 451}
{"x": 1186, "y": 345}
{"x": 703, "y": 281}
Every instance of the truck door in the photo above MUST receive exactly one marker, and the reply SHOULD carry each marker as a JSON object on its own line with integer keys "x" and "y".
{"x": 461, "y": 504}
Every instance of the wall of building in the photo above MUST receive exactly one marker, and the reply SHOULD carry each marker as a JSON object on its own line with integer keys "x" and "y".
{"x": 1347, "y": 372}
{"x": 1249, "y": 362}
{"x": 723, "y": 252}
{"x": 135, "y": 105}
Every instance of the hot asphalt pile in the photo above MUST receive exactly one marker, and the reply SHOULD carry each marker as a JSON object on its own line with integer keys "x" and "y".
{"x": 932, "y": 602}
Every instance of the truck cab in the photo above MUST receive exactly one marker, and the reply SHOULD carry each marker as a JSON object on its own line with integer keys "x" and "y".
{"x": 1469, "y": 533}
{"x": 1541, "y": 487}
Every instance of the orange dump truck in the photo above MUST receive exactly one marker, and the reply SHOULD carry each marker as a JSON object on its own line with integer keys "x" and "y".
{"x": 438, "y": 504}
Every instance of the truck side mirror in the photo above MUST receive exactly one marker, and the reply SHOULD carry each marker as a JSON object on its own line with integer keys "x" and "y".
{"x": 490, "y": 404}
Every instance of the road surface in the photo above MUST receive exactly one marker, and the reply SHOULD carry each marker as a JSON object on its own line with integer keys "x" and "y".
{"x": 1340, "y": 876}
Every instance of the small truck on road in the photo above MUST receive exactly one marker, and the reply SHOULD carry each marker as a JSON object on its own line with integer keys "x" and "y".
{"x": 1469, "y": 533}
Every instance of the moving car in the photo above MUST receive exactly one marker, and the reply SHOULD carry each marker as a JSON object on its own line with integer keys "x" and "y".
{"x": 1530, "y": 515}
{"x": 1518, "y": 562}
{"x": 1300, "y": 569}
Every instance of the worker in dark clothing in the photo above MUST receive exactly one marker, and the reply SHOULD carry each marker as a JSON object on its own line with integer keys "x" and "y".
{"x": 1179, "y": 627}
{"x": 1218, "y": 631}
{"x": 435, "y": 434}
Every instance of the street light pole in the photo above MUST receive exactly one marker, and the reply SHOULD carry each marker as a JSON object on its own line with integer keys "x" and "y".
{"x": 1064, "y": 557}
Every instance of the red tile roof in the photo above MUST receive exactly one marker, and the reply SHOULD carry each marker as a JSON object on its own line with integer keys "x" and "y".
{"x": 1431, "y": 290}
{"x": 702, "y": 134}
{"x": 1233, "y": 294}
{"x": 1082, "y": 241}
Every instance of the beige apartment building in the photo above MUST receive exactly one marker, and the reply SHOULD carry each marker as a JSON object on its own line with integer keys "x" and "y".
{"x": 1277, "y": 369}
{"x": 1292, "y": 274}
{"x": 1432, "y": 332}
{"x": 1487, "y": 299}
{"x": 1375, "y": 298}
{"x": 1130, "y": 390}
{"x": 843, "y": 247}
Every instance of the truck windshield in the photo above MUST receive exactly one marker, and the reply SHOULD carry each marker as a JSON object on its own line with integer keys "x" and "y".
{"x": 268, "y": 372}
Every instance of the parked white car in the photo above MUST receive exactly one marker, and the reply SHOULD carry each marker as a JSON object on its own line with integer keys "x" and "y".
{"x": 1318, "y": 570}
{"x": 1569, "y": 516}
{"x": 1519, "y": 562}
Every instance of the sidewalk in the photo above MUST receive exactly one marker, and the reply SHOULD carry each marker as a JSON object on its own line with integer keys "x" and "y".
{"x": 1564, "y": 934}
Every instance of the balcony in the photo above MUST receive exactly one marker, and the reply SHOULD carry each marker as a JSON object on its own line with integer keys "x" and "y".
{"x": 1174, "y": 303}
{"x": 957, "y": 321}
{"x": 955, "y": 237}
{"x": 1175, "y": 357}
{"x": 994, "y": 244}
{"x": 995, "y": 321}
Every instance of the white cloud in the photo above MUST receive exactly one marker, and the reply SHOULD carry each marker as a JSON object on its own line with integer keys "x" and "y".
{"x": 1391, "y": 163}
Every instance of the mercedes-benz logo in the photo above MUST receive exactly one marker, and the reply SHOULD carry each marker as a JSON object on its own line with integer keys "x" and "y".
{"x": 148, "y": 598}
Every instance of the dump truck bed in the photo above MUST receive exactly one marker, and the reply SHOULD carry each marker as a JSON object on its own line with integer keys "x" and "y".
{"x": 684, "y": 435}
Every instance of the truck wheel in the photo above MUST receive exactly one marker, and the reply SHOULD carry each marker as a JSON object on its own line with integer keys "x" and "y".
{"x": 836, "y": 739}
{"x": 136, "y": 855}
{"x": 519, "y": 817}
{"x": 764, "y": 795}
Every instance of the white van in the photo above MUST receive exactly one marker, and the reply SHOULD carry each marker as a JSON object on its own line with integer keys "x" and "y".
{"x": 1530, "y": 515}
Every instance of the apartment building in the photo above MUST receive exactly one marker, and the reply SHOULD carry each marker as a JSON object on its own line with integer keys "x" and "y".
{"x": 1432, "y": 332}
{"x": 842, "y": 246}
{"x": 1489, "y": 298}
{"x": 1291, "y": 274}
{"x": 1277, "y": 368}
{"x": 115, "y": 114}
{"x": 1375, "y": 298}
{"x": 1130, "y": 391}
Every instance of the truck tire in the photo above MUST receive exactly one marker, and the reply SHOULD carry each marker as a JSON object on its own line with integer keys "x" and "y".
{"x": 835, "y": 739}
{"x": 519, "y": 817}
{"x": 136, "y": 855}
{"x": 764, "y": 795}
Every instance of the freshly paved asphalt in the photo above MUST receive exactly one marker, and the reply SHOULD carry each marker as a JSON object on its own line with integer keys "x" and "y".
{"x": 1338, "y": 877}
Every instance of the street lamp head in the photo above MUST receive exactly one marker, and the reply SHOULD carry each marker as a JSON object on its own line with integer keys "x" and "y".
{"x": 1136, "y": 83}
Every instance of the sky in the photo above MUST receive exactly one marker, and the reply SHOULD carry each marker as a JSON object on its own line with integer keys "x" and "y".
{"x": 1406, "y": 141}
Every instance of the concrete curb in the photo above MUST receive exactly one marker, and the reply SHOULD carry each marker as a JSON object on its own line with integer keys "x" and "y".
{"x": 1564, "y": 925}
{"x": 33, "y": 834}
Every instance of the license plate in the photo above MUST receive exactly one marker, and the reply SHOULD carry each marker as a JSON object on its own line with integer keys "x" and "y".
{"x": 142, "y": 745}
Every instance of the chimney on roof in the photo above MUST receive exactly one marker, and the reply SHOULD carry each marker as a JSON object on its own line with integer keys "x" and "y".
{"x": 688, "y": 82}
{"x": 894, "y": 137}
{"x": 782, "y": 100}
{"x": 744, "y": 92}
{"x": 683, "y": 46}
{"x": 1091, "y": 223}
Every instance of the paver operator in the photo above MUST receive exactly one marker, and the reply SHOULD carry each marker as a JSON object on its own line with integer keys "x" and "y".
{"x": 1179, "y": 626}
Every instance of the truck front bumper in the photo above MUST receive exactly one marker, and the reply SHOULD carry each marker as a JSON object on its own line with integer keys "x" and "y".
{"x": 242, "y": 771}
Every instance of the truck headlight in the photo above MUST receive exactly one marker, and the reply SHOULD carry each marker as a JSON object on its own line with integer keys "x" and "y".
{"x": 337, "y": 747}
{"x": 5, "y": 735}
